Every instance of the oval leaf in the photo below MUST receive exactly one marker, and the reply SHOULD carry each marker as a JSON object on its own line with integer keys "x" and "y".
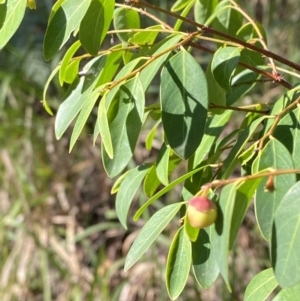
{"x": 65, "y": 20}
{"x": 223, "y": 65}
{"x": 69, "y": 109}
{"x": 288, "y": 133}
{"x": 203, "y": 10}
{"x": 184, "y": 99}
{"x": 261, "y": 286}
{"x": 125, "y": 116}
{"x": 274, "y": 155}
{"x": 222, "y": 229}
{"x": 162, "y": 164}
{"x": 178, "y": 264}
{"x": 205, "y": 266}
{"x": 95, "y": 24}
{"x": 83, "y": 117}
{"x": 148, "y": 73}
{"x": 66, "y": 60}
{"x": 149, "y": 233}
{"x": 286, "y": 238}
{"x": 125, "y": 18}
{"x": 151, "y": 182}
{"x": 11, "y": 15}
{"x": 127, "y": 190}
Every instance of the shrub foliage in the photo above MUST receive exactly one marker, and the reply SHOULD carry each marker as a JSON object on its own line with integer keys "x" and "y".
{"x": 111, "y": 54}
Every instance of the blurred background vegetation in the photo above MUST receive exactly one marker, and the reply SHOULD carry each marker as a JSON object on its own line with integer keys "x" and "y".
{"x": 59, "y": 236}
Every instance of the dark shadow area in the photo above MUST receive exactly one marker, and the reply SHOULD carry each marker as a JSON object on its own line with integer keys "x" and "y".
{"x": 200, "y": 251}
{"x": 3, "y": 11}
{"x": 285, "y": 132}
{"x": 219, "y": 224}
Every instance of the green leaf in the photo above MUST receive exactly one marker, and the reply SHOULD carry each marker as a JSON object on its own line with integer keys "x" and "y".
{"x": 122, "y": 74}
{"x": 65, "y": 20}
{"x": 127, "y": 190}
{"x": 113, "y": 61}
{"x": 226, "y": 19}
{"x": 241, "y": 84}
{"x": 261, "y": 286}
{"x": 165, "y": 190}
{"x": 44, "y": 101}
{"x": 223, "y": 65}
{"x": 83, "y": 116}
{"x": 286, "y": 99}
{"x": 184, "y": 14}
{"x": 222, "y": 230}
{"x": 249, "y": 34}
{"x": 125, "y": 116}
{"x": 205, "y": 266}
{"x": 151, "y": 182}
{"x": 244, "y": 195}
{"x": 95, "y": 24}
{"x": 11, "y": 15}
{"x": 69, "y": 109}
{"x": 150, "y": 232}
{"x": 148, "y": 73}
{"x": 162, "y": 164}
{"x": 180, "y": 4}
{"x": 178, "y": 264}
{"x": 249, "y": 153}
{"x": 288, "y": 133}
{"x": 231, "y": 161}
{"x": 125, "y": 18}
{"x": 118, "y": 182}
{"x": 104, "y": 130}
{"x": 216, "y": 94}
{"x": 289, "y": 294}
{"x": 151, "y": 135}
{"x": 183, "y": 95}
{"x": 274, "y": 155}
{"x": 203, "y": 9}
{"x": 66, "y": 61}
{"x": 72, "y": 72}
{"x": 286, "y": 238}
{"x": 145, "y": 37}
{"x": 213, "y": 128}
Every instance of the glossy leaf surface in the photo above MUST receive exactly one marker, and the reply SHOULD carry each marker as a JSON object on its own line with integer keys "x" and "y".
{"x": 11, "y": 15}
{"x": 288, "y": 133}
{"x": 274, "y": 155}
{"x": 178, "y": 264}
{"x": 261, "y": 286}
{"x": 127, "y": 190}
{"x": 149, "y": 233}
{"x": 125, "y": 116}
{"x": 69, "y": 109}
{"x": 95, "y": 24}
{"x": 204, "y": 264}
{"x": 222, "y": 229}
{"x": 223, "y": 65}
{"x": 183, "y": 94}
{"x": 286, "y": 238}
{"x": 62, "y": 23}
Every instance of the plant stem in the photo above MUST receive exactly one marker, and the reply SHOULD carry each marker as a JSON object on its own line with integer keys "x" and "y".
{"x": 272, "y": 172}
{"x": 204, "y": 28}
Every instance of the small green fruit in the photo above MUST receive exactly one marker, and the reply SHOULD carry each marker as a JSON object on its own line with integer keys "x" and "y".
{"x": 201, "y": 212}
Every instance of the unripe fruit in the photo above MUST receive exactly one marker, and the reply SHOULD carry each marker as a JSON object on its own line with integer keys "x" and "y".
{"x": 201, "y": 212}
